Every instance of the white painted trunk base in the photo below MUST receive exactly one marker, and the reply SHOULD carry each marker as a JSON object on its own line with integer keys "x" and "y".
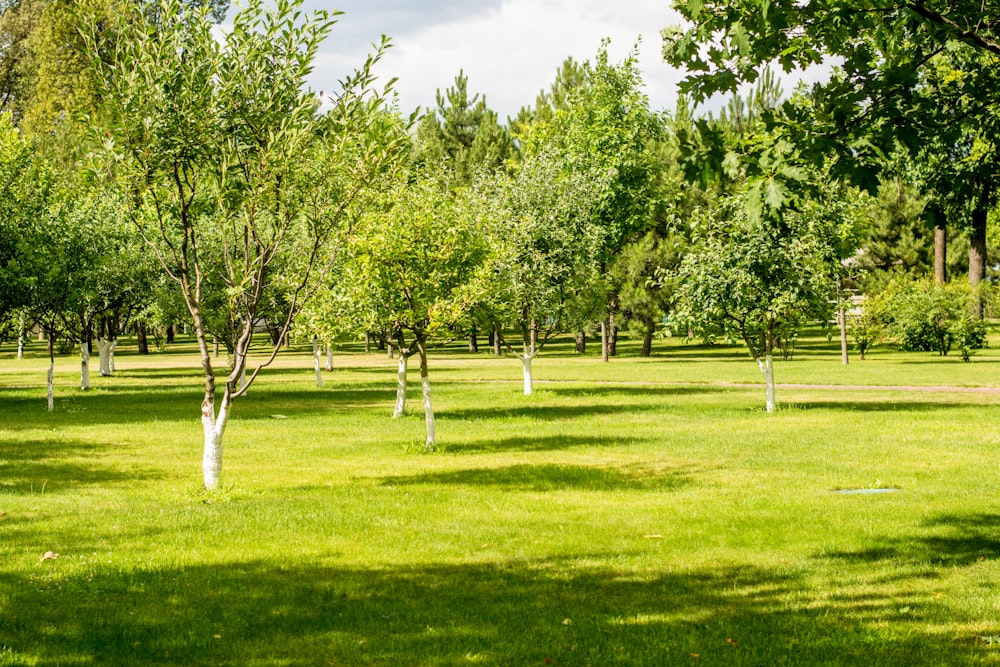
{"x": 329, "y": 358}
{"x": 400, "y": 387}
{"x": 214, "y": 427}
{"x": 50, "y": 386}
{"x": 767, "y": 368}
{"x": 84, "y": 366}
{"x": 105, "y": 352}
{"x": 428, "y": 413}
{"x": 316, "y": 368}
{"x": 526, "y": 371}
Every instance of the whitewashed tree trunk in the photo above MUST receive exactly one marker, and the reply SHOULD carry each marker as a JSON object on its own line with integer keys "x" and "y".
{"x": 104, "y": 351}
{"x": 214, "y": 427}
{"x": 526, "y": 359}
{"x": 400, "y": 386}
{"x": 767, "y": 368}
{"x": 84, "y": 366}
{"x": 316, "y": 367}
{"x": 111, "y": 355}
{"x": 50, "y": 385}
{"x": 329, "y": 357}
{"x": 20, "y": 339}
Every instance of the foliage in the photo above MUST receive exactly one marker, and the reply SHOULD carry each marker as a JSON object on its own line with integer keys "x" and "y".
{"x": 924, "y": 316}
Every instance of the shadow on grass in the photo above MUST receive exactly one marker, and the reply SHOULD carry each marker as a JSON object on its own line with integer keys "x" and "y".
{"x": 946, "y": 540}
{"x": 550, "y": 477}
{"x": 638, "y": 390}
{"x": 545, "y": 443}
{"x": 547, "y": 412}
{"x": 42, "y": 466}
{"x": 881, "y": 405}
{"x": 524, "y": 613}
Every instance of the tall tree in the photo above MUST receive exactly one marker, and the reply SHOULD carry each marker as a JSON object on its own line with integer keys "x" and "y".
{"x": 227, "y": 166}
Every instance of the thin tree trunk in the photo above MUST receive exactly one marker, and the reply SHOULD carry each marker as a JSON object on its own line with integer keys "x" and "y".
{"x": 767, "y": 368}
{"x": 400, "y": 386}
{"x": 533, "y": 343}
{"x": 20, "y": 338}
{"x": 612, "y": 335}
{"x": 842, "y": 321}
{"x": 49, "y": 383}
{"x": 940, "y": 254}
{"x": 581, "y": 341}
{"x": 368, "y": 343}
{"x": 84, "y": 365}
{"x": 104, "y": 347}
{"x": 526, "y": 359}
{"x": 425, "y": 383}
{"x": 141, "y": 338}
{"x": 473, "y": 341}
{"x": 215, "y": 346}
{"x": 316, "y": 368}
{"x": 647, "y": 338}
{"x": 604, "y": 341}
{"x": 214, "y": 426}
{"x": 329, "y": 357}
{"x": 496, "y": 341}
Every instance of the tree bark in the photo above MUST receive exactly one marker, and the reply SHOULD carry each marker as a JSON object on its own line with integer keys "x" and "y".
{"x": 84, "y": 365}
{"x": 49, "y": 383}
{"x": 767, "y": 368}
{"x": 141, "y": 338}
{"x": 368, "y": 343}
{"x": 581, "y": 341}
{"x": 473, "y": 341}
{"x": 105, "y": 348}
{"x": 316, "y": 368}
{"x": 526, "y": 369}
{"x": 170, "y": 334}
{"x": 533, "y": 343}
{"x": 400, "y": 386}
{"x": 496, "y": 341}
{"x": 425, "y": 383}
{"x": 612, "y": 335}
{"x": 214, "y": 427}
{"x": 940, "y": 254}
{"x": 647, "y": 338}
{"x": 20, "y": 338}
{"x": 604, "y": 341}
{"x": 329, "y": 357}
{"x": 842, "y": 321}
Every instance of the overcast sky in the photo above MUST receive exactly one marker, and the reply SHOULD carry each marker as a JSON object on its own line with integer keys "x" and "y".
{"x": 509, "y": 49}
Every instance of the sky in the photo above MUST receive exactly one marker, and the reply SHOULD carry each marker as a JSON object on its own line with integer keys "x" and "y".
{"x": 509, "y": 49}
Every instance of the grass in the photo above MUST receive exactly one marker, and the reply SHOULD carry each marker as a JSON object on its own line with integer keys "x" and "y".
{"x": 643, "y": 512}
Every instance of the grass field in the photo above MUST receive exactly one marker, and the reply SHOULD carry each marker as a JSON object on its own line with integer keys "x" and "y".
{"x": 642, "y": 512}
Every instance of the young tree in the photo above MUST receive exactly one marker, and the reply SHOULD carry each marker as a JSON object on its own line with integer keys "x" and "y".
{"x": 229, "y": 170}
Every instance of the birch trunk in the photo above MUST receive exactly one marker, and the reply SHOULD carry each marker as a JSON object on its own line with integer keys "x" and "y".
{"x": 20, "y": 338}
{"x": 84, "y": 365}
{"x": 425, "y": 383}
{"x": 400, "y": 387}
{"x": 496, "y": 342}
{"x": 316, "y": 368}
{"x": 604, "y": 341}
{"x": 329, "y": 357}
{"x": 842, "y": 316}
{"x": 111, "y": 355}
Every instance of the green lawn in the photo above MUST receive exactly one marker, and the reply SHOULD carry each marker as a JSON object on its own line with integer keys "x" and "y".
{"x": 642, "y": 512}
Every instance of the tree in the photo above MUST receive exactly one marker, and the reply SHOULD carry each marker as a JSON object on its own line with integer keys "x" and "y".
{"x": 546, "y": 240}
{"x": 229, "y": 172}
{"x": 416, "y": 262}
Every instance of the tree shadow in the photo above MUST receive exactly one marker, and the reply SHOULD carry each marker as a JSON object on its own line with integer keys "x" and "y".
{"x": 544, "y": 443}
{"x": 944, "y": 540}
{"x": 549, "y": 611}
{"x": 546, "y": 412}
{"x": 876, "y": 405}
{"x": 552, "y": 477}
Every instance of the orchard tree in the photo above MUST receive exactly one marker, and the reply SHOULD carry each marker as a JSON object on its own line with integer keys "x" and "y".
{"x": 544, "y": 228}
{"x": 229, "y": 171}
{"x": 417, "y": 260}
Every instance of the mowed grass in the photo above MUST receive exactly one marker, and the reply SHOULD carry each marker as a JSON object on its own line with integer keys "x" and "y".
{"x": 642, "y": 512}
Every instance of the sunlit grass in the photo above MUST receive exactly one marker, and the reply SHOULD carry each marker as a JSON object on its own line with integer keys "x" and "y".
{"x": 644, "y": 512}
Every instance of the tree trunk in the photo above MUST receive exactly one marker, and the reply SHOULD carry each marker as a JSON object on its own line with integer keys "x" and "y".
{"x": 647, "y": 338}
{"x": 940, "y": 254}
{"x": 170, "y": 334}
{"x": 581, "y": 341}
{"x": 84, "y": 365}
{"x": 473, "y": 341}
{"x": 425, "y": 383}
{"x": 533, "y": 343}
{"x": 104, "y": 356}
{"x": 368, "y": 343}
{"x": 49, "y": 384}
{"x": 20, "y": 338}
{"x": 842, "y": 321}
{"x": 604, "y": 341}
{"x": 215, "y": 346}
{"x": 142, "y": 340}
{"x": 329, "y": 357}
{"x": 612, "y": 335}
{"x": 400, "y": 385}
{"x": 316, "y": 368}
{"x": 977, "y": 254}
{"x": 767, "y": 368}
{"x": 214, "y": 426}
{"x": 496, "y": 341}
{"x": 526, "y": 359}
